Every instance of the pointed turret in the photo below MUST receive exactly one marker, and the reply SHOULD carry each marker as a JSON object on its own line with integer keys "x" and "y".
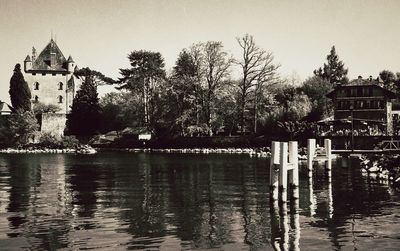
{"x": 70, "y": 64}
{"x": 27, "y": 63}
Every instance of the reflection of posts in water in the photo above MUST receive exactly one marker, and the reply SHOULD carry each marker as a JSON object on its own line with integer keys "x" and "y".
{"x": 284, "y": 227}
{"x": 295, "y": 225}
{"x": 330, "y": 198}
{"x": 345, "y": 161}
{"x": 280, "y": 237}
{"x": 275, "y": 228}
{"x": 313, "y": 203}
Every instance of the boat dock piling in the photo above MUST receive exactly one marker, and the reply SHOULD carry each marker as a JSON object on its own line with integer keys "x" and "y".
{"x": 314, "y": 154}
{"x": 284, "y": 169}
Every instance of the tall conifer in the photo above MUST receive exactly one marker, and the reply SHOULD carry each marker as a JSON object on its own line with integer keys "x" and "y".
{"x": 20, "y": 94}
{"x": 334, "y": 70}
{"x": 85, "y": 112}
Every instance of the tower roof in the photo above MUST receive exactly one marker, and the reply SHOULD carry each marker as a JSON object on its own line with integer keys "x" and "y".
{"x": 28, "y": 59}
{"x": 50, "y": 59}
{"x": 70, "y": 60}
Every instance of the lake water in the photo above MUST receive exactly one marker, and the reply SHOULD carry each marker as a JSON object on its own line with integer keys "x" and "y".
{"x": 119, "y": 201}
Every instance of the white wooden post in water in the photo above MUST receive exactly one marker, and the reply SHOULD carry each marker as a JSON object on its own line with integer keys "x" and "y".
{"x": 285, "y": 157}
{"x": 273, "y": 177}
{"x": 328, "y": 153}
{"x": 325, "y": 156}
{"x": 294, "y": 168}
{"x": 310, "y": 155}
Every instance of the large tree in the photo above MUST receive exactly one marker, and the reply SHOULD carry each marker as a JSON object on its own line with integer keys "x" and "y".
{"x": 390, "y": 80}
{"x": 144, "y": 77}
{"x": 333, "y": 70}
{"x": 316, "y": 89}
{"x": 185, "y": 91}
{"x": 85, "y": 112}
{"x": 258, "y": 71}
{"x": 216, "y": 64}
{"x": 20, "y": 94}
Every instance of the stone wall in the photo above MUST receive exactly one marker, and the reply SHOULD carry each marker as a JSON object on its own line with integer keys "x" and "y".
{"x": 53, "y": 123}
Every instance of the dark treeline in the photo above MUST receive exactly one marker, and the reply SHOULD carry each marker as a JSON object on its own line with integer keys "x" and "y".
{"x": 207, "y": 92}
{"x": 200, "y": 96}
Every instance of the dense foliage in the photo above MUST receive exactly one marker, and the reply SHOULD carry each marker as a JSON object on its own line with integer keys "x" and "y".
{"x": 200, "y": 96}
{"x": 20, "y": 94}
{"x": 85, "y": 112}
{"x": 22, "y": 126}
{"x": 333, "y": 71}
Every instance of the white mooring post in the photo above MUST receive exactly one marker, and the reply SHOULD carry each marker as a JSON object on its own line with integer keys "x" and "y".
{"x": 284, "y": 156}
{"x": 283, "y": 164}
{"x": 328, "y": 150}
{"x": 294, "y": 170}
{"x": 273, "y": 177}
{"x": 310, "y": 155}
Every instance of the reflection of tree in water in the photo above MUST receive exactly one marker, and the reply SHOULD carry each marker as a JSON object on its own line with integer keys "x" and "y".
{"x": 186, "y": 199}
{"x": 143, "y": 203}
{"x": 254, "y": 211}
{"x": 83, "y": 181}
{"x": 217, "y": 204}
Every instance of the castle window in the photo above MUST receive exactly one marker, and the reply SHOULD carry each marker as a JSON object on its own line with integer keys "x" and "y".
{"x": 36, "y": 99}
{"x": 34, "y": 74}
{"x": 43, "y": 74}
{"x": 36, "y": 86}
{"x": 60, "y": 99}
{"x": 53, "y": 74}
{"x": 63, "y": 74}
{"x": 60, "y": 86}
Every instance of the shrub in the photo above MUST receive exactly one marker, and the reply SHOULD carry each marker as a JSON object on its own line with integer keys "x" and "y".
{"x": 52, "y": 141}
{"x": 69, "y": 142}
{"x": 49, "y": 140}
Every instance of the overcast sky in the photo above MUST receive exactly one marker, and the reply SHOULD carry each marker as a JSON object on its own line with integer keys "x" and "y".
{"x": 100, "y": 34}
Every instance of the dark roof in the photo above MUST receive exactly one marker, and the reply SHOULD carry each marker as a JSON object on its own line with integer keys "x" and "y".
{"x": 43, "y": 61}
{"x": 28, "y": 59}
{"x": 70, "y": 59}
{"x": 362, "y": 82}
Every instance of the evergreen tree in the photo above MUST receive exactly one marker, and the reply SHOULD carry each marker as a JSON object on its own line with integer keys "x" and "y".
{"x": 85, "y": 113}
{"x": 334, "y": 70}
{"x": 20, "y": 94}
{"x": 144, "y": 78}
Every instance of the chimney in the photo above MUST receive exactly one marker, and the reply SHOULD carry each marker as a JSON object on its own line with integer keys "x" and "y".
{"x": 360, "y": 77}
{"x": 370, "y": 78}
